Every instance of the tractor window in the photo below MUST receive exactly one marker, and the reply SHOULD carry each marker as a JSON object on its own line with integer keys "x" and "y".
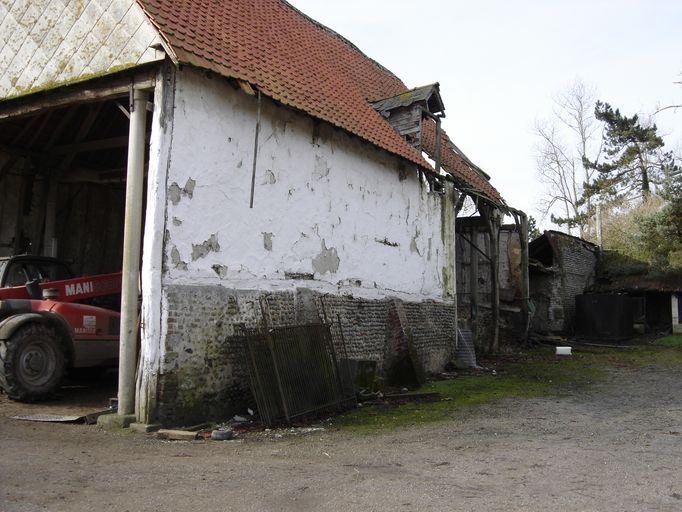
{"x": 16, "y": 275}
{"x": 20, "y": 272}
{"x": 50, "y": 271}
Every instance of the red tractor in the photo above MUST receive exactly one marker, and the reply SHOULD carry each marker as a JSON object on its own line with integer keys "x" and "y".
{"x": 44, "y": 331}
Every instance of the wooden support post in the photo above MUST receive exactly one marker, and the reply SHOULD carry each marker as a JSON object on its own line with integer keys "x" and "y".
{"x": 473, "y": 283}
{"x": 525, "y": 281}
{"x": 491, "y": 215}
{"x": 131, "y": 254}
{"x": 49, "y": 239}
{"x": 455, "y": 197}
{"x": 26, "y": 183}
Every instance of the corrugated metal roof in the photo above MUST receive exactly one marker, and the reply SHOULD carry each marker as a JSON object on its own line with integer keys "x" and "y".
{"x": 298, "y": 62}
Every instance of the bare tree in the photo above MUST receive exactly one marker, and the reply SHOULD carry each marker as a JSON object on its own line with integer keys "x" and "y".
{"x": 564, "y": 141}
{"x": 667, "y": 107}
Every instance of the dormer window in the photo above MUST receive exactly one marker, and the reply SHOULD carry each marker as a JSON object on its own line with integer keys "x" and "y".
{"x": 406, "y": 112}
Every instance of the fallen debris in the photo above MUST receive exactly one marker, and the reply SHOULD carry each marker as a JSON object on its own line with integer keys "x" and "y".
{"x": 176, "y": 435}
{"x": 50, "y": 418}
{"x": 87, "y": 419}
{"x": 222, "y": 434}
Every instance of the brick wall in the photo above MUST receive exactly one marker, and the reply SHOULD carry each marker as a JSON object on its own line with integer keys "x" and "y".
{"x": 203, "y": 375}
{"x": 577, "y": 261}
{"x": 553, "y": 289}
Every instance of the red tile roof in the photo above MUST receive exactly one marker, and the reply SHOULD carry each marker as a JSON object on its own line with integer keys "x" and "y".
{"x": 470, "y": 179}
{"x": 295, "y": 61}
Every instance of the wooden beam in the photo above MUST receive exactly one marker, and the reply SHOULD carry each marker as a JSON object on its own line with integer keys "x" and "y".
{"x": 82, "y": 133}
{"x": 25, "y": 152}
{"x": 91, "y": 145}
{"x": 18, "y": 152}
{"x": 87, "y": 91}
{"x": 98, "y": 176}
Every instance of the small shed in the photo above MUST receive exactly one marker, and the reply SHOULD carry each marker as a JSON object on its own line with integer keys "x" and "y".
{"x": 561, "y": 267}
{"x": 660, "y": 297}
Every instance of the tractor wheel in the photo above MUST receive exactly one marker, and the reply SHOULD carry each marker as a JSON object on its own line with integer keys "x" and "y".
{"x": 32, "y": 363}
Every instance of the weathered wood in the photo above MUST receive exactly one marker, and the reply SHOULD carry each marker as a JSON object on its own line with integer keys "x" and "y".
{"x": 492, "y": 218}
{"x": 473, "y": 285}
{"x": 521, "y": 220}
{"x": 75, "y": 94}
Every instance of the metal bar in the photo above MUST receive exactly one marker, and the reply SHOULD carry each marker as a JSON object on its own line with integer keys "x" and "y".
{"x": 297, "y": 369}
{"x": 255, "y": 152}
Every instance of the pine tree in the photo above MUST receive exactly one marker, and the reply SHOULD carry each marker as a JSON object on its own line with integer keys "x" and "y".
{"x": 634, "y": 164}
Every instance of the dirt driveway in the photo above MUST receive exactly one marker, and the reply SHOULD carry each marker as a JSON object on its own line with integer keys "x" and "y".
{"x": 615, "y": 447}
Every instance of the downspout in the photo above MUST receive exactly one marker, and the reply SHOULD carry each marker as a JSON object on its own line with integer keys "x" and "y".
{"x": 131, "y": 253}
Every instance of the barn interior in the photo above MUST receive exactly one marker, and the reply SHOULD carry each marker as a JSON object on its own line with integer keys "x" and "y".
{"x": 63, "y": 183}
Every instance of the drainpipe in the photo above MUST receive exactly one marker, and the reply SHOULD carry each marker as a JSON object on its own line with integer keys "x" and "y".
{"x": 131, "y": 253}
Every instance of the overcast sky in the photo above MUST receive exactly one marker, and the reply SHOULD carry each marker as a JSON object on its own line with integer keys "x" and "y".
{"x": 500, "y": 63}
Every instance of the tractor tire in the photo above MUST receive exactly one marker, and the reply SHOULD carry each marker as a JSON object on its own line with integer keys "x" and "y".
{"x": 32, "y": 363}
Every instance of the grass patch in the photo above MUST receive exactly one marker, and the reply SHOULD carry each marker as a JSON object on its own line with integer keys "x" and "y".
{"x": 670, "y": 341}
{"x": 534, "y": 373}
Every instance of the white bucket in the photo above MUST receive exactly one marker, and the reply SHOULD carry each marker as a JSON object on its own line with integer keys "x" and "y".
{"x": 563, "y": 351}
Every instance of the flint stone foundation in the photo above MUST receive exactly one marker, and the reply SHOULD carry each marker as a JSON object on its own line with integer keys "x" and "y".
{"x": 203, "y": 373}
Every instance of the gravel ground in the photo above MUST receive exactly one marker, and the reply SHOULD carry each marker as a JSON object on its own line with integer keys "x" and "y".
{"x": 617, "y": 446}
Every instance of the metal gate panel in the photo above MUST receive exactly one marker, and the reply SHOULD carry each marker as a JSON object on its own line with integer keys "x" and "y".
{"x": 294, "y": 371}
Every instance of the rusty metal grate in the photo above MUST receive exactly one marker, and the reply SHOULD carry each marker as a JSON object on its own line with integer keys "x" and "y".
{"x": 295, "y": 370}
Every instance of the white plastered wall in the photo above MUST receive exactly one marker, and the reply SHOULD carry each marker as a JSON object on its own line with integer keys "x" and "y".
{"x": 326, "y": 204}
{"x": 337, "y": 212}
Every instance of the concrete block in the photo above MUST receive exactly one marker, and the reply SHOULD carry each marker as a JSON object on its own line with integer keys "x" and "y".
{"x": 143, "y": 428}
{"x": 115, "y": 421}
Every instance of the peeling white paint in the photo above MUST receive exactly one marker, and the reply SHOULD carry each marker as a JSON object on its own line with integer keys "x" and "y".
{"x": 315, "y": 187}
{"x": 153, "y": 325}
